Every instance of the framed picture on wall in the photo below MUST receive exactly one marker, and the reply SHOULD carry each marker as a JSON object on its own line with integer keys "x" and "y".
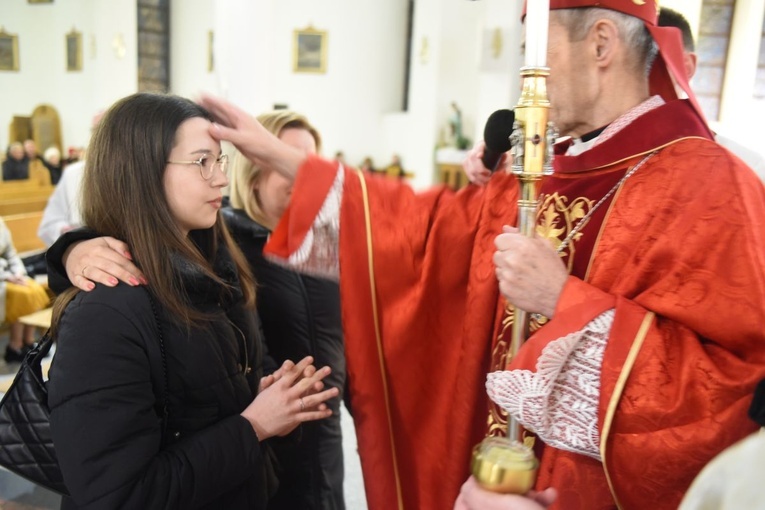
{"x": 74, "y": 51}
{"x": 9, "y": 51}
{"x": 310, "y": 51}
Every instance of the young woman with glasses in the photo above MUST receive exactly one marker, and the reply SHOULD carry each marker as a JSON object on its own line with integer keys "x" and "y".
{"x": 153, "y": 178}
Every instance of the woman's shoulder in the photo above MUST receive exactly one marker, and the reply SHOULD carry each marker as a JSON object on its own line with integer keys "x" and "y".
{"x": 126, "y": 300}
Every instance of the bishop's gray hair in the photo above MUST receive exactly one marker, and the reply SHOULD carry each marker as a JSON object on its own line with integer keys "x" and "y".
{"x": 632, "y": 31}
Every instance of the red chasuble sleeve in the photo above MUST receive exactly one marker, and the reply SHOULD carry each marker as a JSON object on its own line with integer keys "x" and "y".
{"x": 415, "y": 269}
{"x": 681, "y": 258}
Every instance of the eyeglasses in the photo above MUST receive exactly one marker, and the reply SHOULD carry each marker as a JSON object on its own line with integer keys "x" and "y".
{"x": 207, "y": 165}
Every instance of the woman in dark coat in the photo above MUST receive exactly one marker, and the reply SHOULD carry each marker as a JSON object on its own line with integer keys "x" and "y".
{"x": 52, "y": 161}
{"x": 16, "y": 164}
{"x": 184, "y": 426}
{"x": 301, "y": 317}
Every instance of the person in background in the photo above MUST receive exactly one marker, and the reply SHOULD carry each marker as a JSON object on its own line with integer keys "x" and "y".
{"x": 154, "y": 177}
{"x": 74, "y": 154}
{"x": 300, "y": 316}
{"x": 340, "y": 158}
{"x": 19, "y": 296}
{"x": 30, "y": 150}
{"x": 367, "y": 166}
{"x": 16, "y": 164}
{"x": 54, "y": 164}
{"x": 395, "y": 169}
{"x": 37, "y": 168}
{"x": 62, "y": 212}
{"x": 671, "y": 18}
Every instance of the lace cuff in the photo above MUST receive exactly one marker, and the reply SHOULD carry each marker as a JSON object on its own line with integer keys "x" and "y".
{"x": 318, "y": 255}
{"x": 559, "y": 402}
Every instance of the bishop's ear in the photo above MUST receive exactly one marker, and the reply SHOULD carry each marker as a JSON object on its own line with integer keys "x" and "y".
{"x": 604, "y": 39}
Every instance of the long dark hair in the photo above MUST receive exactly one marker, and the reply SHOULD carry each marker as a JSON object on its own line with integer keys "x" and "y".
{"x": 123, "y": 197}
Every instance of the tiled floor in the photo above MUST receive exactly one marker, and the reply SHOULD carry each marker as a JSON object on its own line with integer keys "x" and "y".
{"x": 19, "y": 494}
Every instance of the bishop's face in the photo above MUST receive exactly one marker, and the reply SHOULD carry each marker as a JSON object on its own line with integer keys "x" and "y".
{"x": 572, "y": 87}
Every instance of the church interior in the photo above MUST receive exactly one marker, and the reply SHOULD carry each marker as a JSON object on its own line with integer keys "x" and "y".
{"x": 402, "y": 86}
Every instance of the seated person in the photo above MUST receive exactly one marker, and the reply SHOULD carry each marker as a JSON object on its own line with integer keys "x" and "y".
{"x": 395, "y": 169}
{"x": 16, "y": 164}
{"x": 19, "y": 296}
{"x": 52, "y": 161}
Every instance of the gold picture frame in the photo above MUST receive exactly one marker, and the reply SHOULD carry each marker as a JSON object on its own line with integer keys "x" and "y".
{"x": 310, "y": 51}
{"x": 9, "y": 51}
{"x": 74, "y": 51}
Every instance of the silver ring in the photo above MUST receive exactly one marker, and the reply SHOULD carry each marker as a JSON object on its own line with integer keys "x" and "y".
{"x": 302, "y": 405}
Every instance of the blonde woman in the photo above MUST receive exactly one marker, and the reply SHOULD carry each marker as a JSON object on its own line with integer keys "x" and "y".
{"x": 300, "y": 316}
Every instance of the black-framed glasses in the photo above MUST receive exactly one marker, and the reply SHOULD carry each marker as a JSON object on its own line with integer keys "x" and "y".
{"x": 207, "y": 165}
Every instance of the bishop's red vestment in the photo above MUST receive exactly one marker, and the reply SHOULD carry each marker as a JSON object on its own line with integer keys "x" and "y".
{"x": 678, "y": 252}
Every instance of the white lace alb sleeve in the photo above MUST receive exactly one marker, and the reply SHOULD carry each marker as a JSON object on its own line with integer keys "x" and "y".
{"x": 559, "y": 402}
{"x": 318, "y": 254}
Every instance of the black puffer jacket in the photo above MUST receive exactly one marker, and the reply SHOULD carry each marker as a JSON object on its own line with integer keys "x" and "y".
{"x": 301, "y": 317}
{"x": 106, "y": 385}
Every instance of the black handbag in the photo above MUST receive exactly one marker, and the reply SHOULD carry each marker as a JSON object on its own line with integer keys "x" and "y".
{"x": 26, "y": 446}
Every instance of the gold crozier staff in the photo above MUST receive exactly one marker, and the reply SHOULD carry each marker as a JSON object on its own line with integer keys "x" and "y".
{"x": 508, "y": 464}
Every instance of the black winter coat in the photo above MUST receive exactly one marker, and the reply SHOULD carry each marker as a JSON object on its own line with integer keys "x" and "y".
{"x": 107, "y": 387}
{"x": 301, "y": 317}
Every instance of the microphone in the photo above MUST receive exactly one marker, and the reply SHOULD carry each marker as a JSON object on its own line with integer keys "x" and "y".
{"x": 496, "y": 135}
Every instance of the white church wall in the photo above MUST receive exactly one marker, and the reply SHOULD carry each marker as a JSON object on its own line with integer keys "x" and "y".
{"x": 42, "y": 77}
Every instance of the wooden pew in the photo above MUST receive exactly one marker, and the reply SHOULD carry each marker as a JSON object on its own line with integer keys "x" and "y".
{"x": 31, "y": 192}
{"x": 23, "y": 205}
{"x": 23, "y": 228}
{"x": 19, "y": 185}
{"x": 15, "y": 193}
{"x": 24, "y": 196}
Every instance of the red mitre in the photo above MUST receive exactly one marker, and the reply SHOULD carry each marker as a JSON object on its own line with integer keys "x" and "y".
{"x": 668, "y": 63}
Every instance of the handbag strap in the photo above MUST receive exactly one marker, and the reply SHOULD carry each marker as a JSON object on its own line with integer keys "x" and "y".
{"x": 164, "y": 362}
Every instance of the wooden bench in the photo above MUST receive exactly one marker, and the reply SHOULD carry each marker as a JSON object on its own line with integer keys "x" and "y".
{"x": 17, "y": 193}
{"x": 39, "y": 319}
{"x": 23, "y": 228}
{"x": 25, "y": 196}
{"x": 18, "y": 185}
{"x": 23, "y": 205}
{"x": 12, "y": 194}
